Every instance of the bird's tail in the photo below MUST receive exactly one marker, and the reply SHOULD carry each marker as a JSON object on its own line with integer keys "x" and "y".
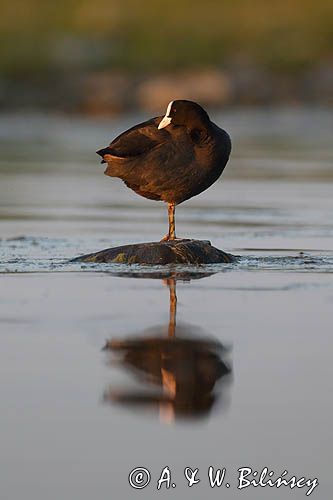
{"x": 103, "y": 152}
{"x": 115, "y": 163}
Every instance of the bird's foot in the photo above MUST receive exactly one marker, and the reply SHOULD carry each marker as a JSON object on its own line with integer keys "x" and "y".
{"x": 167, "y": 237}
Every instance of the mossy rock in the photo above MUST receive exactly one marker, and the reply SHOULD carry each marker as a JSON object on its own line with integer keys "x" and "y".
{"x": 161, "y": 253}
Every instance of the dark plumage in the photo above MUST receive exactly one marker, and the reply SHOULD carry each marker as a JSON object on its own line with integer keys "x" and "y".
{"x": 170, "y": 158}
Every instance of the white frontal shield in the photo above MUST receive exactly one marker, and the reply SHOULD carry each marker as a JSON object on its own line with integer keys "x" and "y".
{"x": 167, "y": 119}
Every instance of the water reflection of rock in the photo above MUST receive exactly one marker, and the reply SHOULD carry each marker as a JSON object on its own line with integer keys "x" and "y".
{"x": 189, "y": 368}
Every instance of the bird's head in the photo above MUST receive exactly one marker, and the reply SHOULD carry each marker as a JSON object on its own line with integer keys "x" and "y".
{"x": 186, "y": 113}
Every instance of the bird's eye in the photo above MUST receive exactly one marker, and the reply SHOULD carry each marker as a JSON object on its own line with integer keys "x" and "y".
{"x": 173, "y": 110}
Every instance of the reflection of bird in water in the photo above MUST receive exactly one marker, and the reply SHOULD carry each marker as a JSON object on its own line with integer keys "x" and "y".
{"x": 170, "y": 159}
{"x": 186, "y": 367}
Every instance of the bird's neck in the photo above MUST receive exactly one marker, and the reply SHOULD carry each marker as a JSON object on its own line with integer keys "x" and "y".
{"x": 199, "y": 131}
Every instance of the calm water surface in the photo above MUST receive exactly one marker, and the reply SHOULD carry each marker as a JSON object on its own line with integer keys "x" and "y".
{"x": 104, "y": 370}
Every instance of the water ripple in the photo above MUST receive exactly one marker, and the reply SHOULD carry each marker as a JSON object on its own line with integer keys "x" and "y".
{"x": 34, "y": 255}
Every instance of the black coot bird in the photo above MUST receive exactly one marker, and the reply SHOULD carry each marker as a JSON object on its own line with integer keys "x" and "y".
{"x": 170, "y": 158}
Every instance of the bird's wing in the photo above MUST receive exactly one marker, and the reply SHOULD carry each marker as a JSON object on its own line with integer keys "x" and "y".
{"x": 138, "y": 140}
{"x": 167, "y": 169}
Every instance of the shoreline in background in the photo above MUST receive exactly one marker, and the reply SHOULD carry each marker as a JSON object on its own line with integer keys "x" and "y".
{"x": 115, "y": 56}
{"x": 118, "y": 91}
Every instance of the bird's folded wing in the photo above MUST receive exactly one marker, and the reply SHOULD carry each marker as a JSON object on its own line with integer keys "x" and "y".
{"x": 138, "y": 140}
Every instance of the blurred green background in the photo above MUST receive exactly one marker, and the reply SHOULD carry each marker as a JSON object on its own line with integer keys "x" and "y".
{"x": 58, "y": 54}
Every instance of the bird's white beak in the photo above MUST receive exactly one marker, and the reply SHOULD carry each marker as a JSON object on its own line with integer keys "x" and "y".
{"x": 164, "y": 122}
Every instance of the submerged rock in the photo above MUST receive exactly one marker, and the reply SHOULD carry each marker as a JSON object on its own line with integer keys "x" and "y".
{"x": 160, "y": 253}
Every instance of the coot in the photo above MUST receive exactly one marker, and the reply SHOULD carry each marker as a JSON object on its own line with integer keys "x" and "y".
{"x": 170, "y": 158}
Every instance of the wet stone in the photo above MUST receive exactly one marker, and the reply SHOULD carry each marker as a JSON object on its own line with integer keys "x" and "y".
{"x": 182, "y": 251}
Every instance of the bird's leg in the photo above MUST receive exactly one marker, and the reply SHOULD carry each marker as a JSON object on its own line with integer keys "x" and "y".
{"x": 172, "y": 224}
